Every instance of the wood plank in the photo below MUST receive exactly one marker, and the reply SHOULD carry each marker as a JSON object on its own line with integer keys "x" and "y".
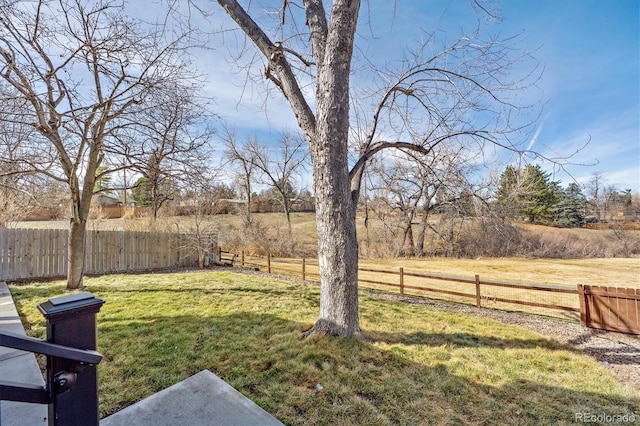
{"x": 33, "y": 253}
{"x": 89, "y": 260}
{"x": 112, "y": 252}
{"x": 584, "y": 313}
{"x": 631, "y": 312}
{"x": 596, "y": 308}
{"x": 4, "y": 246}
{"x": 63, "y": 252}
{"x": 5, "y": 274}
{"x": 20, "y": 254}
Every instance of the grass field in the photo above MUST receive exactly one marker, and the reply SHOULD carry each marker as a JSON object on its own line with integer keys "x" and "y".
{"x": 612, "y": 272}
{"x": 418, "y": 366}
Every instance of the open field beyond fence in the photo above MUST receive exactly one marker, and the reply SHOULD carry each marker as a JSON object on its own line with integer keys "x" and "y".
{"x": 560, "y": 299}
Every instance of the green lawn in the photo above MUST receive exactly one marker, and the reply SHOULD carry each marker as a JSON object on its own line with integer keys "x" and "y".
{"x": 419, "y": 365}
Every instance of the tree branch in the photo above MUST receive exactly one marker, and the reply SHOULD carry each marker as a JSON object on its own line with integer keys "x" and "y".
{"x": 274, "y": 54}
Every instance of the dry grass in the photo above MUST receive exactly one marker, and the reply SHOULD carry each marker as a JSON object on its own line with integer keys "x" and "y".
{"x": 577, "y": 241}
{"x": 419, "y": 365}
{"x": 612, "y": 272}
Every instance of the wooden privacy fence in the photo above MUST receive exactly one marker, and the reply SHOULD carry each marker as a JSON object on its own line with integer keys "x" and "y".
{"x": 534, "y": 298}
{"x": 42, "y": 253}
{"x": 610, "y": 308}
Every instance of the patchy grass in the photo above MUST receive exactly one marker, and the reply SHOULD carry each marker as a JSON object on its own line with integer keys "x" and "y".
{"x": 419, "y": 365}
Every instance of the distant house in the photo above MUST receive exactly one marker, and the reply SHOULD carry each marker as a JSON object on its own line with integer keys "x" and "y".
{"x": 110, "y": 207}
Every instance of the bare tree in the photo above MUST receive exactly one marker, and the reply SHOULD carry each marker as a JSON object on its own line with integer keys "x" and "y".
{"x": 170, "y": 147}
{"x": 200, "y": 233}
{"x": 427, "y": 100}
{"x": 414, "y": 185}
{"x": 83, "y": 69}
{"x": 399, "y": 191}
{"x": 280, "y": 169}
{"x": 596, "y": 191}
{"x": 238, "y": 155}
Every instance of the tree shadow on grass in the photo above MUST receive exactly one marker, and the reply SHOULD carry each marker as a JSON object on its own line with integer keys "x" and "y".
{"x": 457, "y": 339}
{"x": 262, "y": 356}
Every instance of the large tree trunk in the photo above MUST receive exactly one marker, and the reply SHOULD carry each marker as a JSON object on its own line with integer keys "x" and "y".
{"x": 423, "y": 230}
{"x": 287, "y": 213}
{"x": 335, "y": 212}
{"x": 337, "y": 248}
{"x": 80, "y": 206}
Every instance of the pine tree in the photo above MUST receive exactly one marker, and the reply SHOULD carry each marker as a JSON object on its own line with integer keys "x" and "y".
{"x": 528, "y": 193}
{"x": 571, "y": 208}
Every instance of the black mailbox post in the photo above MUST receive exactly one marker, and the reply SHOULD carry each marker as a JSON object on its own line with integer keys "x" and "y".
{"x": 71, "y": 321}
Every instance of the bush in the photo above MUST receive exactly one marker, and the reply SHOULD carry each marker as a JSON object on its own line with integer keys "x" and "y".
{"x": 260, "y": 239}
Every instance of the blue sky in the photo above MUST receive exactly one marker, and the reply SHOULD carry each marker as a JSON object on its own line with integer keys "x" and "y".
{"x": 591, "y": 81}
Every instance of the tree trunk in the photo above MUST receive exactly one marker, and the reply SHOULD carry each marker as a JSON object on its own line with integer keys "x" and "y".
{"x": 80, "y": 204}
{"x": 247, "y": 217}
{"x": 423, "y": 231}
{"x": 75, "y": 250}
{"x": 287, "y": 213}
{"x": 407, "y": 235}
{"x": 337, "y": 249}
{"x": 412, "y": 247}
{"x": 335, "y": 209}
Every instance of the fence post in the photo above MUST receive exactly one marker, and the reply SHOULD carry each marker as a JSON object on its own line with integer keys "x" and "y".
{"x": 71, "y": 321}
{"x": 303, "y": 269}
{"x": 478, "y": 298}
{"x": 269, "y": 262}
{"x": 242, "y": 253}
{"x": 219, "y": 254}
{"x": 584, "y": 313}
{"x": 401, "y": 281}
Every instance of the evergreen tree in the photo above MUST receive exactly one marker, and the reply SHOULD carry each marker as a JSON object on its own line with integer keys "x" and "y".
{"x": 141, "y": 192}
{"x": 528, "y": 193}
{"x": 571, "y": 208}
{"x": 103, "y": 180}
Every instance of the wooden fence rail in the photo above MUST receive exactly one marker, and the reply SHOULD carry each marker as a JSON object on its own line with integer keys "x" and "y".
{"x": 42, "y": 253}
{"x": 536, "y": 298}
{"x": 606, "y": 308}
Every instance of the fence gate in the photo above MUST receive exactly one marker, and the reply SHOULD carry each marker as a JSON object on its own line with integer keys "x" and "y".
{"x": 610, "y": 308}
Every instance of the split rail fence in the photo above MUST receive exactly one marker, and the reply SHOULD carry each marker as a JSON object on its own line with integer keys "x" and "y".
{"x": 608, "y": 308}
{"x": 42, "y": 253}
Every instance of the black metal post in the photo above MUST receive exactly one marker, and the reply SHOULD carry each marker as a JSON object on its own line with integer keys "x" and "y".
{"x": 73, "y": 385}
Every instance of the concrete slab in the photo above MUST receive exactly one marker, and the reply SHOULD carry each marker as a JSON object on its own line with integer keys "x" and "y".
{"x": 18, "y": 366}
{"x": 202, "y": 399}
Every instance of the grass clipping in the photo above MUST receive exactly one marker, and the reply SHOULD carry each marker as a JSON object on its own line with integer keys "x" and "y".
{"x": 418, "y": 365}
